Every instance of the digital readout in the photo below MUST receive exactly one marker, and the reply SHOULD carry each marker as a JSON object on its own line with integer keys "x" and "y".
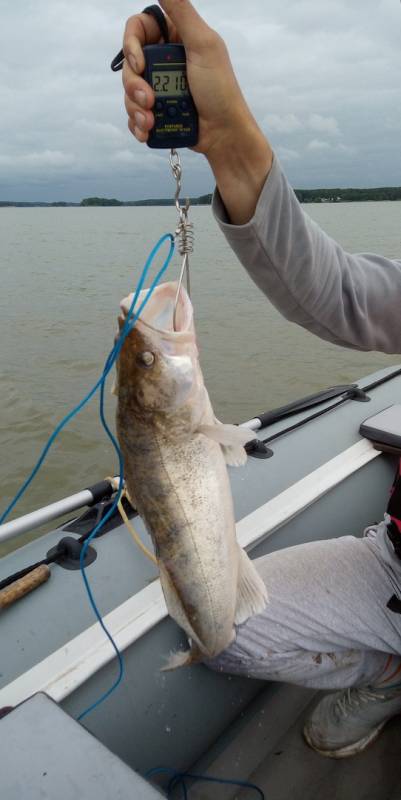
{"x": 173, "y": 83}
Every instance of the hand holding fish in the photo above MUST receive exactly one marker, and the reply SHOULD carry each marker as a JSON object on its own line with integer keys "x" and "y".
{"x": 229, "y": 136}
{"x": 175, "y": 455}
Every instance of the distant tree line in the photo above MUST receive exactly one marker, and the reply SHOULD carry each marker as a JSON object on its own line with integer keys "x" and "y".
{"x": 303, "y": 195}
{"x": 204, "y": 200}
{"x": 16, "y": 204}
{"x": 348, "y": 195}
{"x": 100, "y": 201}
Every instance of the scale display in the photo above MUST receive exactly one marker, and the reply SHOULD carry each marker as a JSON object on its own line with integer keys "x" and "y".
{"x": 176, "y": 118}
{"x": 172, "y": 83}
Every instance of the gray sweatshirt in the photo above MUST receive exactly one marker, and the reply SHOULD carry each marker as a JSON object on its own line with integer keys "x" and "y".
{"x": 353, "y": 300}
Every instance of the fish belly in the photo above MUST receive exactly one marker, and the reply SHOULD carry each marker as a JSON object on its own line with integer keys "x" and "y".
{"x": 185, "y": 500}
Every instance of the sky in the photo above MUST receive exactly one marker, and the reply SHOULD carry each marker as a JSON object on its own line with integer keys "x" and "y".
{"x": 323, "y": 80}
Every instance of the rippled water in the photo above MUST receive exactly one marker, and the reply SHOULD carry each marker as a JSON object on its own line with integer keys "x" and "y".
{"x": 63, "y": 273}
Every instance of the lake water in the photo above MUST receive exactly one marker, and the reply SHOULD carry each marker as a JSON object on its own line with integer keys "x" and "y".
{"x": 63, "y": 273}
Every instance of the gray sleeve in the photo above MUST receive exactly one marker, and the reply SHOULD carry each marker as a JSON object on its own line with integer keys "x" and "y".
{"x": 353, "y": 300}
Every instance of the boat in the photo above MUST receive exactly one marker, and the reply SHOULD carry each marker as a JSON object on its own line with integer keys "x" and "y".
{"x": 310, "y": 474}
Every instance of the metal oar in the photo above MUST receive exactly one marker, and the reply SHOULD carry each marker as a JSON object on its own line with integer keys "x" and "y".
{"x": 28, "y": 522}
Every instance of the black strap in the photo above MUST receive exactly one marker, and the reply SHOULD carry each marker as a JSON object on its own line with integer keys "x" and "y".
{"x": 157, "y": 14}
{"x": 394, "y": 503}
{"x": 394, "y": 509}
{"x": 395, "y": 537}
{"x": 394, "y": 604}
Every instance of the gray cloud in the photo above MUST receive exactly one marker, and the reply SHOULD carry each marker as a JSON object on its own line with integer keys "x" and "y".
{"x": 323, "y": 80}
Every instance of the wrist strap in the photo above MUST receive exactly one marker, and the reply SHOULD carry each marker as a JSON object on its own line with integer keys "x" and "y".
{"x": 157, "y": 14}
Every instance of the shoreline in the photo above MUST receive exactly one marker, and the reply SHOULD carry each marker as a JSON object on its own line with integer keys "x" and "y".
{"x": 378, "y": 194}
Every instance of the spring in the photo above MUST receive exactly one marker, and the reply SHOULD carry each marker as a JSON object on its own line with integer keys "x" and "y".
{"x": 185, "y": 234}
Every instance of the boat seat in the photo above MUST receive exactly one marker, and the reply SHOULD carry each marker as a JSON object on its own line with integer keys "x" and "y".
{"x": 384, "y": 430}
{"x": 47, "y": 754}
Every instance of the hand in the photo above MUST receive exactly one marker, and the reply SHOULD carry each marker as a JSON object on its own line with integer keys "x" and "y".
{"x": 229, "y": 136}
{"x": 217, "y": 96}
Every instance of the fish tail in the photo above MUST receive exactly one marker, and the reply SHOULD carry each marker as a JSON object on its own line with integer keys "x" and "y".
{"x": 182, "y": 658}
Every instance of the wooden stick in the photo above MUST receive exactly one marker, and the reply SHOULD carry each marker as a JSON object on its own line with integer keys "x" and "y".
{"x": 24, "y": 585}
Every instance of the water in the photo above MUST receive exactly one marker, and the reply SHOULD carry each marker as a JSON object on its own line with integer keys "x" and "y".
{"x": 63, "y": 273}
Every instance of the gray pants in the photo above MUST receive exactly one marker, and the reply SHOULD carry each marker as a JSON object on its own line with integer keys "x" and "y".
{"x": 326, "y": 625}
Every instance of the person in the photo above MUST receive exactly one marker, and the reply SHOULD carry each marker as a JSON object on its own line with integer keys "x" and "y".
{"x": 327, "y": 625}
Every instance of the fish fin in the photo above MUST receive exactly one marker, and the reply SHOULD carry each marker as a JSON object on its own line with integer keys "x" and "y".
{"x": 232, "y": 439}
{"x": 182, "y": 658}
{"x": 114, "y": 388}
{"x": 252, "y": 593}
{"x": 131, "y": 496}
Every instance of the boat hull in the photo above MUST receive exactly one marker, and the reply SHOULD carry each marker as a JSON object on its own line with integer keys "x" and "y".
{"x": 323, "y": 481}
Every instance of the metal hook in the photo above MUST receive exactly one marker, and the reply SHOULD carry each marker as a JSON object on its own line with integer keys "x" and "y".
{"x": 184, "y": 232}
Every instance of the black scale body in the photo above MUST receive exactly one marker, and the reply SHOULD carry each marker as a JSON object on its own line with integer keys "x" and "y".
{"x": 176, "y": 118}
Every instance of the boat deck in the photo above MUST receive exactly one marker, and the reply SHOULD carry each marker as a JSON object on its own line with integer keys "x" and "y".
{"x": 265, "y": 746}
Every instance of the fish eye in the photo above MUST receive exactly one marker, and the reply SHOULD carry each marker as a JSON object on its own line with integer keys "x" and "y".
{"x": 146, "y": 359}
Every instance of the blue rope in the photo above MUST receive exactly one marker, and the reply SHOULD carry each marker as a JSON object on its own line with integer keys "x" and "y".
{"x": 178, "y": 779}
{"x": 113, "y": 355}
{"x": 130, "y": 321}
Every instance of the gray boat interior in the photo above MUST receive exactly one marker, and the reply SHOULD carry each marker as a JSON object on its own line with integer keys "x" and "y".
{"x": 193, "y": 719}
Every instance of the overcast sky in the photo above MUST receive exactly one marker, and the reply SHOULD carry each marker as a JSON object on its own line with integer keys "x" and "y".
{"x": 323, "y": 78}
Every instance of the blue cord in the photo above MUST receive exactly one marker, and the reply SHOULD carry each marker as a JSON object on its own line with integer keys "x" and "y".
{"x": 178, "y": 779}
{"x": 130, "y": 321}
{"x": 128, "y": 325}
{"x": 109, "y": 363}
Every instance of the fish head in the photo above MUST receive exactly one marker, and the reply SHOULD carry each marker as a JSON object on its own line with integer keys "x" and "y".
{"x": 157, "y": 368}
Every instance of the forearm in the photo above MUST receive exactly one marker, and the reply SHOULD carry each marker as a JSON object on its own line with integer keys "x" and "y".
{"x": 351, "y": 300}
{"x": 241, "y": 164}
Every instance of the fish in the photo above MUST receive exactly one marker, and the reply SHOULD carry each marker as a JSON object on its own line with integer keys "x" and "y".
{"x": 175, "y": 462}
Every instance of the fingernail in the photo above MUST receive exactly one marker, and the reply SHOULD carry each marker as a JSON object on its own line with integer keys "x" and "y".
{"x": 140, "y": 97}
{"x": 137, "y": 133}
{"x": 139, "y": 119}
{"x": 132, "y": 61}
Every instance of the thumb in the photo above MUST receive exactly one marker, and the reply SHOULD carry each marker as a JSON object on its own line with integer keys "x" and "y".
{"x": 190, "y": 26}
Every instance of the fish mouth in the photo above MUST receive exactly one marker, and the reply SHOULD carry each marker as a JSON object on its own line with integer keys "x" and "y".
{"x": 158, "y": 314}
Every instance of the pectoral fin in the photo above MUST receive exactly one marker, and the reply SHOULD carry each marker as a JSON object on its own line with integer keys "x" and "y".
{"x": 129, "y": 491}
{"x": 252, "y": 595}
{"x": 232, "y": 439}
{"x": 114, "y": 388}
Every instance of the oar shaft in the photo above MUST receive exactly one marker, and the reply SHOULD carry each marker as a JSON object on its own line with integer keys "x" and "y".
{"x": 28, "y": 522}
{"x": 254, "y": 424}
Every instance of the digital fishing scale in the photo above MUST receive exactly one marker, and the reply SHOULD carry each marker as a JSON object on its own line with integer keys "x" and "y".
{"x": 176, "y": 123}
{"x": 176, "y": 118}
